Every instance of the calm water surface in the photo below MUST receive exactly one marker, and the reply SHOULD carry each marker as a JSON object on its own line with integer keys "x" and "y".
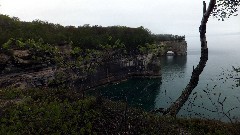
{"x": 217, "y": 95}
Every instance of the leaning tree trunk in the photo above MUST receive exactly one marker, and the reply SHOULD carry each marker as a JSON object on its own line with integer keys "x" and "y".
{"x": 176, "y": 106}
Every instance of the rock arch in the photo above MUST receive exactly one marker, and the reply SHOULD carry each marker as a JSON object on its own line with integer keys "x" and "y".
{"x": 177, "y": 47}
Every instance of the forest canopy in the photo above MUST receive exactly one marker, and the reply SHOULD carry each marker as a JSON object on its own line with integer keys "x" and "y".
{"x": 85, "y": 37}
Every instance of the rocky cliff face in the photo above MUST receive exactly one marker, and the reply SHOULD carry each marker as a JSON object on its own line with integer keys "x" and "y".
{"x": 22, "y": 73}
{"x": 27, "y": 79}
{"x": 27, "y": 68}
{"x": 21, "y": 60}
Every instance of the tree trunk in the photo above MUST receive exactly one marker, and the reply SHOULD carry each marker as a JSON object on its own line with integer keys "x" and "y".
{"x": 176, "y": 106}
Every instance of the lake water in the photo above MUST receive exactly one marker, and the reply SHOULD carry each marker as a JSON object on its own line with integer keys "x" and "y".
{"x": 217, "y": 95}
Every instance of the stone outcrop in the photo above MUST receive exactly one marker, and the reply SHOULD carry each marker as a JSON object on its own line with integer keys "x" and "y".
{"x": 177, "y": 47}
{"x": 28, "y": 79}
{"x": 3, "y": 61}
{"x": 18, "y": 69}
{"x": 121, "y": 69}
{"x": 18, "y": 60}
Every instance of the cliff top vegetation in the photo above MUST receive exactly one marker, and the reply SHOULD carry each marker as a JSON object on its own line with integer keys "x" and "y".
{"x": 85, "y": 37}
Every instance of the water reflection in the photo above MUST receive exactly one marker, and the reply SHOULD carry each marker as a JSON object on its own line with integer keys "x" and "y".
{"x": 144, "y": 93}
{"x": 139, "y": 92}
{"x": 173, "y": 65}
{"x": 217, "y": 78}
{"x": 174, "y": 70}
{"x": 174, "y": 60}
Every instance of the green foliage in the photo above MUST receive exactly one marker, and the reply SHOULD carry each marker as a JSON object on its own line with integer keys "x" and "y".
{"x": 48, "y": 117}
{"x": 150, "y": 49}
{"x": 167, "y": 37}
{"x": 60, "y": 80}
{"x": 85, "y": 37}
{"x": 60, "y": 111}
{"x": 39, "y": 51}
{"x": 225, "y": 8}
{"x": 10, "y": 93}
{"x": 76, "y": 51}
{"x": 48, "y": 111}
{"x": 7, "y": 44}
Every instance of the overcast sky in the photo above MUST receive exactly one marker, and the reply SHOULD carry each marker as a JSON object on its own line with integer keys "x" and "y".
{"x": 180, "y": 17}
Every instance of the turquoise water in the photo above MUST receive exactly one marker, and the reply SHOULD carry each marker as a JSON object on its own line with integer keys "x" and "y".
{"x": 217, "y": 95}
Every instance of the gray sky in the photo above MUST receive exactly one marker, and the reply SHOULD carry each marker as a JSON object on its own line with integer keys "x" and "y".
{"x": 160, "y": 16}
